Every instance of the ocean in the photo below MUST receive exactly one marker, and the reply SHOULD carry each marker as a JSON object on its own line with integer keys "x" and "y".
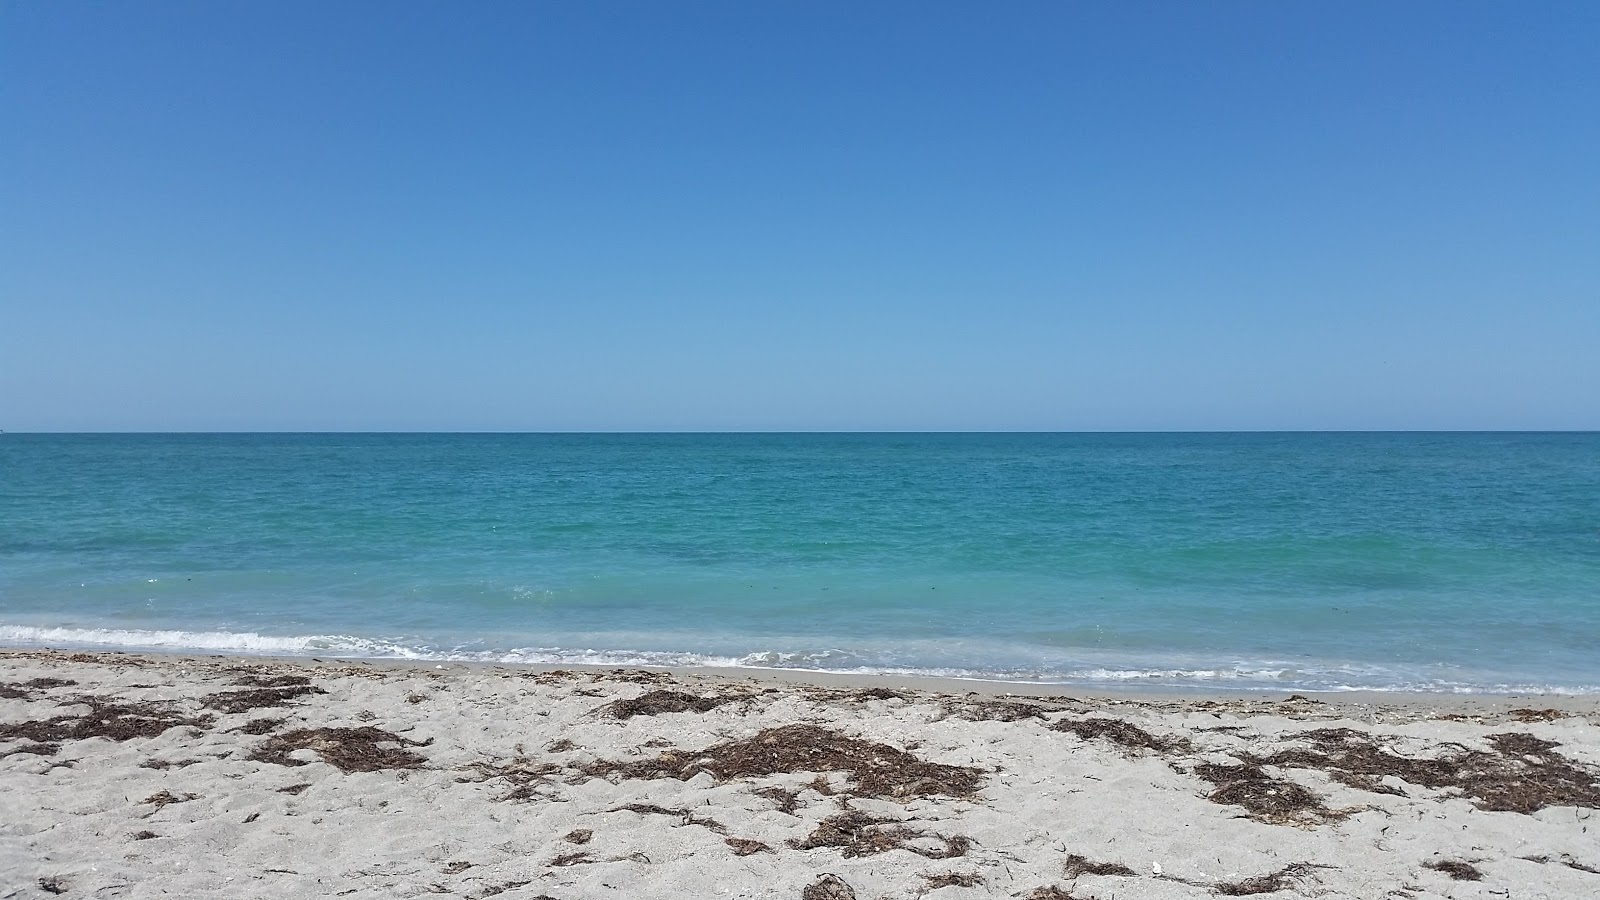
{"x": 1447, "y": 562}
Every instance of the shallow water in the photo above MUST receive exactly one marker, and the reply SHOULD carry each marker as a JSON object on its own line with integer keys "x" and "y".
{"x": 1422, "y": 561}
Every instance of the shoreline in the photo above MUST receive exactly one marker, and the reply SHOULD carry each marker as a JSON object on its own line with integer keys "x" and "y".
{"x": 1417, "y": 701}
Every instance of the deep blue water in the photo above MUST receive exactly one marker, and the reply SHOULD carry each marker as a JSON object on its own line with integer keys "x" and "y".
{"x": 1424, "y": 561}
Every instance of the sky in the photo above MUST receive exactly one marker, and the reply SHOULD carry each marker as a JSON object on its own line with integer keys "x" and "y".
{"x": 560, "y": 216}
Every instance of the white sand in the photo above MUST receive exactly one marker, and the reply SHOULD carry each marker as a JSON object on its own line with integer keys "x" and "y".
{"x": 74, "y": 821}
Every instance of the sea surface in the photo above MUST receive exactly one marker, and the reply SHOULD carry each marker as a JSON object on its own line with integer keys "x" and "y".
{"x": 1297, "y": 561}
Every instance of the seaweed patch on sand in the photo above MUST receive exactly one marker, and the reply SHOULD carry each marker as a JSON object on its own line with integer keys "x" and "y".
{"x": 1522, "y": 773}
{"x": 257, "y": 698}
{"x": 365, "y": 749}
{"x": 104, "y": 718}
{"x": 1124, "y": 734}
{"x": 876, "y": 770}
{"x": 746, "y": 846}
{"x": 828, "y": 887}
{"x": 682, "y": 814}
{"x": 856, "y": 833}
{"x": 525, "y": 775}
{"x": 1270, "y": 883}
{"x": 1076, "y": 865}
{"x": 990, "y": 710}
{"x": 950, "y": 879}
{"x": 1265, "y": 798}
{"x": 28, "y": 690}
{"x": 655, "y": 703}
{"x": 1457, "y": 869}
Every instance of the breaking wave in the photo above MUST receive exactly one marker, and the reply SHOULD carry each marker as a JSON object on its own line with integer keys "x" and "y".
{"x": 831, "y": 660}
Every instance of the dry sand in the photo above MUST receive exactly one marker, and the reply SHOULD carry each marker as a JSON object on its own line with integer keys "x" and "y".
{"x": 134, "y": 776}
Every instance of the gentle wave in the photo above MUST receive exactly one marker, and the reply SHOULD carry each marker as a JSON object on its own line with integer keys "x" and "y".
{"x": 232, "y": 641}
{"x": 832, "y": 661}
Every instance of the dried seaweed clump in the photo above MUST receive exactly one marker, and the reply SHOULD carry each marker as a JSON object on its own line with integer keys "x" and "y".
{"x": 256, "y": 679}
{"x": 681, "y": 813}
{"x": 1521, "y": 774}
{"x": 857, "y": 834}
{"x": 828, "y": 887}
{"x": 261, "y": 726}
{"x": 257, "y": 698}
{"x": 1460, "y": 870}
{"x": 365, "y": 749}
{"x": 526, "y": 775}
{"x": 655, "y": 703}
{"x": 165, "y": 798}
{"x": 1123, "y": 734}
{"x": 746, "y": 846}
{"x": 573, "y": 859}
{"x": 632, "y": 676}
{"x": 876, "y": 770}
{"x": 29, "y": 689}
{"x": 1267, "y": 799}
{"x": 783, "y": 801}
{"x": 995, "y": 710}
{"x": 878, "y": 693}
{"x": 1076, "y": 865}
{"x": 1049, "y": 892}
{"x": 34, "y": 749}
{"x": 496, "y": 889}
{"x": 164, "y": 764}
{"x": 1537, "y": 715}
{"x": 1281, "y": 880}
{"x": 951, "y": 879}
{"x": 105, "y": 718}
{"x": 1566, "y": 860}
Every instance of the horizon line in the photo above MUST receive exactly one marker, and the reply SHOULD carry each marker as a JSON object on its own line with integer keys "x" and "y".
{"x": 905, "y": 431}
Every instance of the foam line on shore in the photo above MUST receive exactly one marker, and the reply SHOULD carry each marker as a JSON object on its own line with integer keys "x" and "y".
{"x": 1242, "y": 678}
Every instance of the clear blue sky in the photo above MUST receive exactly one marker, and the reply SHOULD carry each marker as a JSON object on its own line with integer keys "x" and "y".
{"x": 799, "y": 215}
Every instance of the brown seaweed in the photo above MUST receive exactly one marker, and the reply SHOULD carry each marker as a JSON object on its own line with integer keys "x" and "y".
{"x": 856, "y": 833}
{"x": 828, "y": 887}
{"x": 876, "y": 770}
{"x": 1076, "y": 865}
{"x": 989, "y": 710}
{"x": 1123, "y": 734}
{"x": 784, "y": 801}
{"x": 364, "y": 749}
{"x": 746, "y": 846}
{"x": 1458, "y": 869}
{"x": 524, "y": 774}
{"x": 950, "y": 879}
{"x": 1268, "y": 799}
{"x": 655, "y": 703}
{"x": 1281, "y": 880}
{"x": 684, "y": 816}
{"x": 257, "y": 698}
{"x": 272, "y": 681}
{"x": 166, "y": 798}
{"x": 105, "y": 718}
{"x": 1522, "y": 774}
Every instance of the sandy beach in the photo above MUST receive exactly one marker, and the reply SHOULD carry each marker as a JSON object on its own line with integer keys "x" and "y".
{"x": 144, "y": 776}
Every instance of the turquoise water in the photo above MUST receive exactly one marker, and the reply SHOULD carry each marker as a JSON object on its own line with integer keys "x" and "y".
{"x": 1307, "y": 561}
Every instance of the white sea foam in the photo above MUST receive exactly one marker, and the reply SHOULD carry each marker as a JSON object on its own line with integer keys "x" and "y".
{"x": 830, "y": 660}
{"x": 230, "y": 641}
